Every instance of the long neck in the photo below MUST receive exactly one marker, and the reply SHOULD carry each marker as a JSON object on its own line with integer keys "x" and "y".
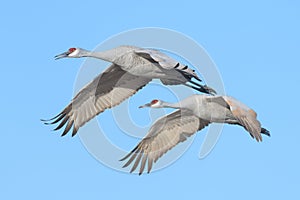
{"x": 103, "y": 55}
{"x": 171, "y": 105}
{"x": 111, "y": 55}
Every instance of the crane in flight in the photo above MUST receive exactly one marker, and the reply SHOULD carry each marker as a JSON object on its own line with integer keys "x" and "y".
{"x": 132, "y": 68}
{"x": 194, "y": 113}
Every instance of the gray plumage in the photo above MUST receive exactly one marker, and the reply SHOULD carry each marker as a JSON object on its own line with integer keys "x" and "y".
{"x": 132, "y": 68}
{"x": 195, "y": 112}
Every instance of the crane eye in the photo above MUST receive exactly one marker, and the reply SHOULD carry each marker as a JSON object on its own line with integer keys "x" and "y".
{"x": 154, "y": 101}
{"x": 72, "y": 50}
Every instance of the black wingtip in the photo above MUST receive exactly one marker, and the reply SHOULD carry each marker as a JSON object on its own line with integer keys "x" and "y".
{"x": 125, "y": 157}
{"x": 265, "y": 132}
{"x": 46, "y": 121}
{"x": 56, "y": 116}
{"x": 177, "y": 65}
{"x": 74, "y": 132}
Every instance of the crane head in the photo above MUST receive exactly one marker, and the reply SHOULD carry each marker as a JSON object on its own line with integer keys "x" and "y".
{"x": 71, "y": 53}
{"x": 153, "y": 104}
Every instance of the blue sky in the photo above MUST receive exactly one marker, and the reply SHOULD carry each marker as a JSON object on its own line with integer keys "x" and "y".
{"x": 255, "y": 46}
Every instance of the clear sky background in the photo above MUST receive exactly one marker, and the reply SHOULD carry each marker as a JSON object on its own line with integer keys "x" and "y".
{"x": 256, "y": 47}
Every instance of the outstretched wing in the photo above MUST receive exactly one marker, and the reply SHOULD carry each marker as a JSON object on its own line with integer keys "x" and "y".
{"x": 246, "y": 117}
{"x": 164, "y": 134}
{"x": 107, "y": 90}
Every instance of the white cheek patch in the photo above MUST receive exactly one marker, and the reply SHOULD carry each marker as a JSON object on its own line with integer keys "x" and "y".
{"x": 74, "y": 53}
{"x": 156, "y": 105}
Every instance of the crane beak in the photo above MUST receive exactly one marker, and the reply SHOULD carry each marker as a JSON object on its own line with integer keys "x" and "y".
{"x": 62, "y": 55}
{"x": 145, "y": 106}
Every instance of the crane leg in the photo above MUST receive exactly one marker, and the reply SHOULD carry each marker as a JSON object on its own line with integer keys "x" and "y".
{"x": 193, "y": 82}
{"x": 201, "y": 88}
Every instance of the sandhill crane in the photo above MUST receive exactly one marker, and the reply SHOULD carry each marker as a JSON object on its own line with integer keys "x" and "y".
{"x": 195, "y": 112}
{"x": 131, "y": 69}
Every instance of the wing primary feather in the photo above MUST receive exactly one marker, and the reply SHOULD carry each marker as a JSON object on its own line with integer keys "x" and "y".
{"x": 68, "y": 127}
{"x": 63, "y": 122}
{"x": 143, "y": 163}
{"x": 134, "y": 154}
{"x": 56, "y": 120}
{"x": 133, "y": 150}
{"x": 74, "y": 131}
{"x": 45, "y": 120}
{"x": 130, "y": 160}
{"x": 137, "y": 161}
{"x": 58, "y": 117}
{"x": 265, "y": 131}
{"x": 150, "y": 162}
